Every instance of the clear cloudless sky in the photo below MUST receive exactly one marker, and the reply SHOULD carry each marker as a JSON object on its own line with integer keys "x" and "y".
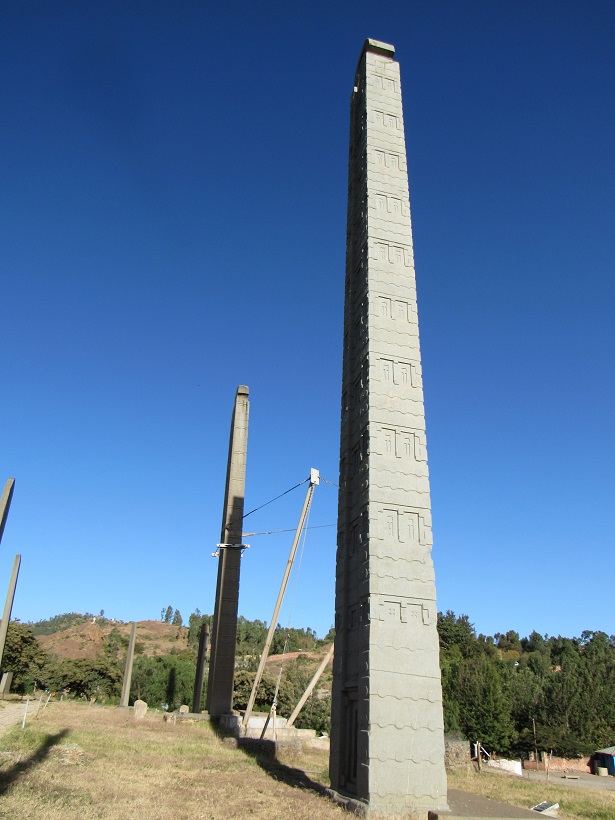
{"x": 173, "y": 194}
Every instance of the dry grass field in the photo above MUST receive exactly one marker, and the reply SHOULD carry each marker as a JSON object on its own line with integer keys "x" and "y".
{"x": 90, "y": 762}
{"x": 81, "y": 762}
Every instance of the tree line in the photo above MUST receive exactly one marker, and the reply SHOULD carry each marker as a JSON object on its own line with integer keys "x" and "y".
{"x": 512, "y": 694}
{"x": 516, "y": 694}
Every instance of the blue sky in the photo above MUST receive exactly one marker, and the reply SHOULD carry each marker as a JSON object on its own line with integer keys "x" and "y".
{"x": 173, "y": 191}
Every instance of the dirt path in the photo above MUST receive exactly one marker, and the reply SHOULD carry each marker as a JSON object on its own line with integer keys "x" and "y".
{"x": 11, "y": 712}
{"x": 580, "y": 780}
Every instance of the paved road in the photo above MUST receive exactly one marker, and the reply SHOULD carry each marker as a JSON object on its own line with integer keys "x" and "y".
{"x": 585, "y": 781}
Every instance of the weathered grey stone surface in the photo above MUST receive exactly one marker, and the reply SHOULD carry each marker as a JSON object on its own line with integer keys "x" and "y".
{"x": 199, "y": 677}
{"x": 8, "y": 604}
{"x": 224, "y": 627}
{"x": 5, "y": 683}
{"x": 5, "y": 503}
{"x": 387, "y": 744}
{"x": 130, "y": 654}
{"x": 140, "y": 709}
{"x": 456, "y": 753}
{"x": 183, "y": 709}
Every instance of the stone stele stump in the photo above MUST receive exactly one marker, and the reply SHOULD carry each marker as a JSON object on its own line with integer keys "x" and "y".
{"x": 140, "y": 709}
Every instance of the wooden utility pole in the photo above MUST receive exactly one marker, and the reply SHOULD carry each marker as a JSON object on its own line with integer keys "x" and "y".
{"x": 314, "y": 480}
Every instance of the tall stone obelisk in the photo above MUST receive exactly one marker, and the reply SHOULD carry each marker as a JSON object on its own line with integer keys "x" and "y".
{"x": 224, "y": 627}
{"x": 387, "y": 740}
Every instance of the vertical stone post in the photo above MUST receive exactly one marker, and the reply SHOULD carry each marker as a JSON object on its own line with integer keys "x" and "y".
{"x": 5, "y": 683}
{"x": 8, "y": 605}
{"x": 128, "y": 666}
{"x": 5, "y": 503}
{"x": 387, "y": 736}
{"x": 224, "y": 626}
{"x": 200, "y": 669}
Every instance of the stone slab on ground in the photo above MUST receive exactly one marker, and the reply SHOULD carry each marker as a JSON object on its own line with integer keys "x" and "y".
{"x": 188, "y": 717}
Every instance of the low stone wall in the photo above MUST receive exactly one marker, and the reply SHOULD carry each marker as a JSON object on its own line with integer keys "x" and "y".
{"x": 456, "y": 752}
{"x": 573, "y": 764}
{"x": 560, "y": 764}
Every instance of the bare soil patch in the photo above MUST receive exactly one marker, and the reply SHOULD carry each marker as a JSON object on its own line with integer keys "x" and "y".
{"x": 86, "y": 640}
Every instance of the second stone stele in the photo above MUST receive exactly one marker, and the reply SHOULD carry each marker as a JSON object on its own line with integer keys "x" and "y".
{"x": 224, "y": 628}
{"x": 387, "y": 738}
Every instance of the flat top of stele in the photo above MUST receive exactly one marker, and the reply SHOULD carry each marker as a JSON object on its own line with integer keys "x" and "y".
{"x": 379, "y": 47}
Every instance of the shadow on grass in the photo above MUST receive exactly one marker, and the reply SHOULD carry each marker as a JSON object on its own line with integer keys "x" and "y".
{"x": 265, "y": 753}
{"x": 9, "y": 776}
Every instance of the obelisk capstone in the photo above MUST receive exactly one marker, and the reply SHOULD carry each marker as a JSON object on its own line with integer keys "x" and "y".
{"x": 224, "y": 625}
{"x": 387, "y": 740}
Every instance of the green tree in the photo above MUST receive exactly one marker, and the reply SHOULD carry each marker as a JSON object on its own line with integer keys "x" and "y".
{"x": 164, "y": 681}
{"x": 99, "y": 678}
{"x": 242, "y": 687}
{"x": 59, "y": 622}
{"x": 114, "y": 644}
{"x": 194, "y": 628}
{"x": 177, "y": 618}
{"x": 250, "y": 637}
{"x": 168, "y": 615}
{"x": 24, "y": 657}
{"x": 457, "y": 635}
{"x": 483, "y": 706}
{"x": 316, "y": 714}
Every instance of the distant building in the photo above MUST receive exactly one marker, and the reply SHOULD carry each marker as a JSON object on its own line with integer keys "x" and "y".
{"x": 605, "y": 759}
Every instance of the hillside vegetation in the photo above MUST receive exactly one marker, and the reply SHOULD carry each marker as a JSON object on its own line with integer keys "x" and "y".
{"x": 511, "y": 693}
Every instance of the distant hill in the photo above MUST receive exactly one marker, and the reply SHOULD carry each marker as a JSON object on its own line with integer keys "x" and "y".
{"x": 58, "y": 622}
{"x": 80, "y": 636}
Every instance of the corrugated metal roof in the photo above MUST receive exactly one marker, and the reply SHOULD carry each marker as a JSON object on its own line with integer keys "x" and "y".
{"x": 609, "y": 751}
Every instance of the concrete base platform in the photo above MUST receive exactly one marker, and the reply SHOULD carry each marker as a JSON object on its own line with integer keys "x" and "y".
{"x": 464, "y": 806}
{"x": 231, "y": 723}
